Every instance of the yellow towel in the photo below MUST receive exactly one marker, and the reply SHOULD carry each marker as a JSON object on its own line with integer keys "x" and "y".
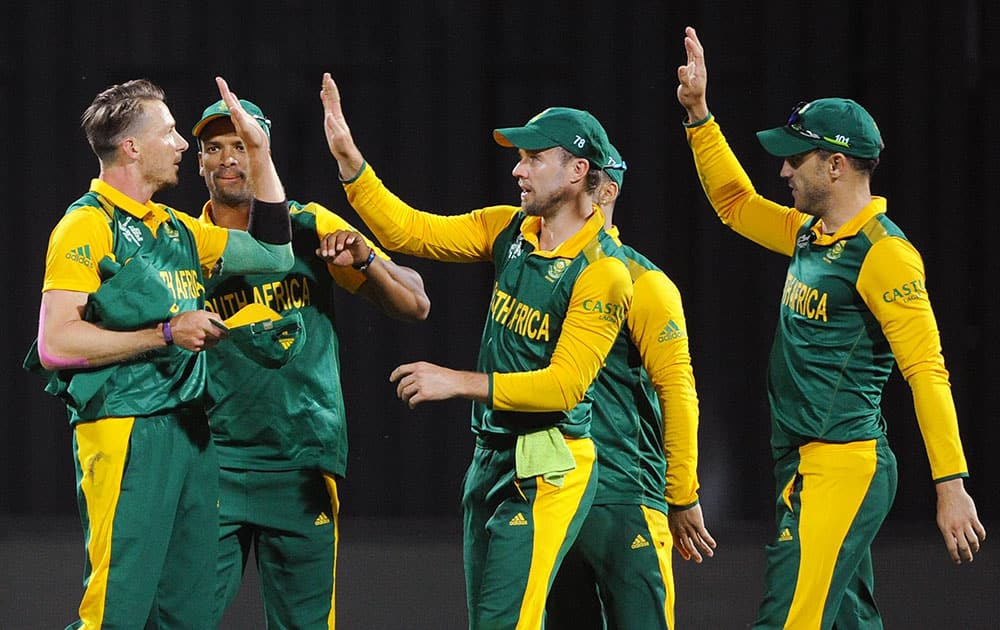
{"x": 543, "y": 453}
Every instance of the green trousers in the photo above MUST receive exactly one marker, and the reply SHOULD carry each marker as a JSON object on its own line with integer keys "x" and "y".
{"x": 147, "y": 490}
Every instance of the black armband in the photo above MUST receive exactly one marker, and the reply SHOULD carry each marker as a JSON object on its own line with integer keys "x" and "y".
{"x": 269, "y": 222}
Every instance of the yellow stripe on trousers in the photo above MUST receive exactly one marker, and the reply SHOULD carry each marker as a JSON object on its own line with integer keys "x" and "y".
{"x": 553, "y": 510}
{"x": 659, "y": 529}
{"x": 835, "y": 480}
{"x": 331, "y": 488}
{"x": 102, "y": 448}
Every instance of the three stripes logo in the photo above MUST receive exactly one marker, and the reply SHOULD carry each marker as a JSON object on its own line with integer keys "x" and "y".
{"x": 670, "y": 331}
{"x": 786, "y": 535}
{"x": 639, "y": 542}
{"x": 518, "y": 520}
{"x": 81, "y": 255}
{"x": 322, "y": 519}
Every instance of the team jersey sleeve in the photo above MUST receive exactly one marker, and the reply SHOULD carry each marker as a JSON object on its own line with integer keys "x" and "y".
{"x": 583, "y": 345}
{"x": 401, "y": 228}
{"x": 77, "y": 244}
{"x": 211, "y": 240}
{"x": 733, "y": 196}
{"x": 658, "y": 329}
{"x": 892, "y": 284}
{"x": 347, "y": 278}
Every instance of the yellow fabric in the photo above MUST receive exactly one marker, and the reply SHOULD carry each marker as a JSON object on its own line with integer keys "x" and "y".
{"x": 656, "y": 302}
{"x": 401, "y": 228}
{"x": 892, "y": 264}
{"x": 102, "y": 450}
{"x": 86, "y": 229}
{"x": 663, "y": 542}
{"x": 733, "y": 196}
{"x": 331, "y": 487}
{"x": 891, "y": 282}
{"x": 252, "y": 313}
{"x": 581, "y": 350}
{"x": 586, "y": 338}
{"x": 543, "y": 453}
{"x": 552, "y": 512}
{"x": 835, "y": 479}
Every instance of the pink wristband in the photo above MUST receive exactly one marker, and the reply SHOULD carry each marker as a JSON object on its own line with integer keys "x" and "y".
{"x": 167, "y": 335}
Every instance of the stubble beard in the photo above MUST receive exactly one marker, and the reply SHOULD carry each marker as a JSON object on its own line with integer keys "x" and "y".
{"x": 231, "y": 196}
{"x": 545, "y": 208}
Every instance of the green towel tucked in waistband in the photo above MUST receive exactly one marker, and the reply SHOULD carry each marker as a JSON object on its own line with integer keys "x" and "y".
{"x": 543, "y": 453}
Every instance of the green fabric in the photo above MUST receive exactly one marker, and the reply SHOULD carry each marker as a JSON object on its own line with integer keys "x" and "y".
{"x": 543, "y": 453}
{"x": 833, "y": 394}
{"x": 244, "y": 254}
{"x": 627, "y": 424}
{"x": 126, "y": 299}
{"x": 294, "y": 418}
{"x": 525, "y": 278}
{"x": 271, "y": 343}
{"x": 161, "y": 379}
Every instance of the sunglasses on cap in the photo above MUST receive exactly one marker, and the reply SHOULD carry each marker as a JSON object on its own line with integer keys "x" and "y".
{"x": 795, "y": 124}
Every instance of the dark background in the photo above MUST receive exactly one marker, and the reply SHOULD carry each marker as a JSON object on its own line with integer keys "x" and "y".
{"x": 423, "y": 84}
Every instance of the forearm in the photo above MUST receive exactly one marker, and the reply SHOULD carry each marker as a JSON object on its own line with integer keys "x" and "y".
{"x": 401, "y": 228}
{"x": 679, "y": 405}
{"x": 732, "y": 194}
{"x": 72, "y": 343}
{"x": 938, "y": 421}
{"x": 399, "y": 291}
{"x": 264, "y": 180}
{"x": 244, "y": 254}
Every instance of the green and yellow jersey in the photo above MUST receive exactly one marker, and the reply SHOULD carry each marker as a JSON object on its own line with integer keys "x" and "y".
{"x": 645, "y": 404}
{"x": 553, "y": 315}
{"x": 853, "y": 302}
{"x": 107, "y": 223}
{"x": 292, "y": 417}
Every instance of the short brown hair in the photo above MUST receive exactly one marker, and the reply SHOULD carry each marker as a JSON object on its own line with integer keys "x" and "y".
{"x": 113, "y": 113}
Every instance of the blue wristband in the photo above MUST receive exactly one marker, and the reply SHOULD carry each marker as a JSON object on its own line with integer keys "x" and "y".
{"x": 168, "y": 336}
{"x": 368, "y": 261}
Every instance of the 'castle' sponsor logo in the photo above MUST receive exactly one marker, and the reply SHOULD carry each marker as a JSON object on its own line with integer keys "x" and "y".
{"x": 912, "y": 290}
{"x": 609, "y": 311}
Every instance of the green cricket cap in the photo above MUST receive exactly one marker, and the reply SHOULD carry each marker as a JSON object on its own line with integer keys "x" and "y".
{"x": 219, "y": 109}
{"x": 614, "y": 165}
{"x": 833, "y": 124}
{"x": 575, "y": 130}
{"x": 263, "y": 335}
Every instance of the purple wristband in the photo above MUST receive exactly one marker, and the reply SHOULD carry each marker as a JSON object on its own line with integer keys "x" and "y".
{"x": 167, "y": 335}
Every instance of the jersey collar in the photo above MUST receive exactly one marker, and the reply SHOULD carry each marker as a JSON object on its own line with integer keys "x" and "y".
{"x": 875, "y": 207}
{"x": 121, "y": 200}
{"x": 572, "y": 246}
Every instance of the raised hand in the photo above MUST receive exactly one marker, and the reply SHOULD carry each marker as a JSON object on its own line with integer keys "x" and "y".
{"x": 338, "y": 134}
{"x": 693, "y": 78}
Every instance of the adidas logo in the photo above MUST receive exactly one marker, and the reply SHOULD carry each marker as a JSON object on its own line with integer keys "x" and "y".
{"x": 518, "y": 520}
{"x": 81, "y": 255}
{"x": 785, "y": 536}
{"x": 322, "y": 519}
{"x": 639, "y": 542}
{"x": 286, "y": 342}
{"x": 670, "y": 331}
